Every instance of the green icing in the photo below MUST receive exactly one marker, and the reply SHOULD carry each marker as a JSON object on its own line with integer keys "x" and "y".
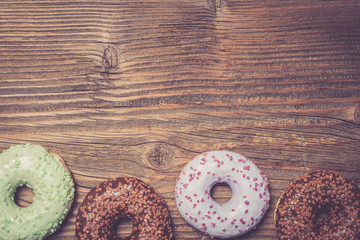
{"x": 52, "y": 185}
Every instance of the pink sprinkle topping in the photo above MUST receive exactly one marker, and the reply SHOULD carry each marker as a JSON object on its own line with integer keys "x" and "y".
{"x": 208, "y": 217}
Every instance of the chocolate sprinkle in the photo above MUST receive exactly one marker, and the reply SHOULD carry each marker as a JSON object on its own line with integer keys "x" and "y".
{"x": 302, "y": 200}
{"x": 122, "y": 197}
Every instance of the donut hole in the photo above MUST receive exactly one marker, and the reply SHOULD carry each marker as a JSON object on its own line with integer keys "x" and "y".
{"x": 23, "y": 196}
{"x": 124, "y": 227}
{"x": 321, "y": 214}
{"x": 221, "y": 192}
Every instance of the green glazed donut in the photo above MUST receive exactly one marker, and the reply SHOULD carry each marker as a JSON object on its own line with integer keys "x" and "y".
{"x": 51, "y": 182}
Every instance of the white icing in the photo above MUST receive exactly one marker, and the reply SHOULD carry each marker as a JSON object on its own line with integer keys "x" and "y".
{"x": 247, "y": 206}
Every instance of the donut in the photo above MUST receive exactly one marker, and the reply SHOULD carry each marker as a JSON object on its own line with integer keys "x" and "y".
{"x": 319, "y": 191}
{"x": 247, "y": 206}
{"x": 123, "y": 197}
{"x": 51, "y": 182}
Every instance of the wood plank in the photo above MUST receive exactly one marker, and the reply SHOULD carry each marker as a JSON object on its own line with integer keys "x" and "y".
{"x": 139, "y": 88}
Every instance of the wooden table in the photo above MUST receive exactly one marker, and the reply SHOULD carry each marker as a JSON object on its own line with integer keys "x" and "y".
{"x": 139, "y": 88}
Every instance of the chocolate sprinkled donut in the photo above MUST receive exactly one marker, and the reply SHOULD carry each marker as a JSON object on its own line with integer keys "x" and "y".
{"x": 302, "y": 200}
{"x": 122, "y": 197}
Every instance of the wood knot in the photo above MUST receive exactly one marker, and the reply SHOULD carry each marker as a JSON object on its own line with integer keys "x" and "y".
{"x": 216, "y": 5}
{"x": 110, "y": 58}
{"x": 357, "y": 115}
{"x": 161, "y": 156}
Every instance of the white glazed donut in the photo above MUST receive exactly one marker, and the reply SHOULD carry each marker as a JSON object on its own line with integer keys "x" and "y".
{"x": 247, "y": 206}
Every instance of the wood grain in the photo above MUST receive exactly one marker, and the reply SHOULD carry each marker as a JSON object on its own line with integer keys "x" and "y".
{"x": 139, "y": 88}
